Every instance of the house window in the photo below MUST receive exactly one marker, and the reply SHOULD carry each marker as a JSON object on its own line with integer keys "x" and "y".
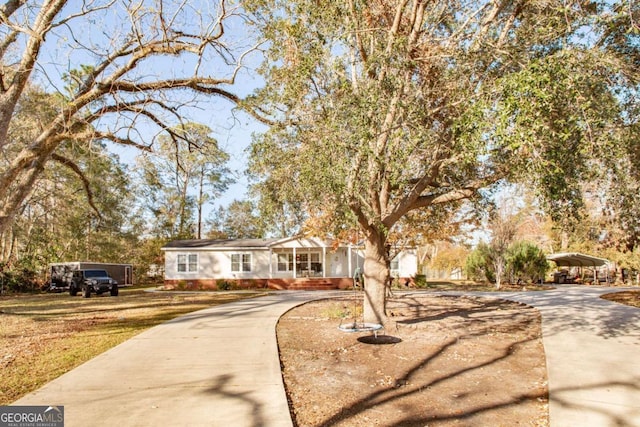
{"x": 302, "y": 264}
{"x": 316, "y": 265}
{"x": 240, "y": 263}
{"x": 285, "y": 262}
{"x": 309, "y": 264}
{"x": 187, "y": 263}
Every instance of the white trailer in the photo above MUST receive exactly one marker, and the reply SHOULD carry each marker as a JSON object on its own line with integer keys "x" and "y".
{"x": 60, "y": 273}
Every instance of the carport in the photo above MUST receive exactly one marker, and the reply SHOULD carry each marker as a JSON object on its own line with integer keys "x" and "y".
{"x": 567, "y": 259}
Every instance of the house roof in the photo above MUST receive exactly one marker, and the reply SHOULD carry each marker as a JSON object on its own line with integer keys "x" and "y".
{"x": 245, "y": 244}
{"x": 576, "y": 260}
{"x": 219, "y": 243}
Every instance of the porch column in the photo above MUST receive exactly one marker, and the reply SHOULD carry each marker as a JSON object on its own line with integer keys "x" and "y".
{"x": 295, "y": 264}
{"x": 324, "y": 262}
{"x": 270, "y": 263}
{"x": 350, "y": 272}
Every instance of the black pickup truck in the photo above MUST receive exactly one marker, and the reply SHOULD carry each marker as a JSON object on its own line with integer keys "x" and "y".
{"x": 92, "y": 281}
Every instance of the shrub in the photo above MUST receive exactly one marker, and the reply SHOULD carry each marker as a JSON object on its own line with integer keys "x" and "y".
{"x": 478, "y": 265}
{"x": 18, "y": 279}
{"x": 421, "y": 281}
{"x": 223, "y": 285}
{"x": 526, "y": 261}
{"x": 522, "y": 260}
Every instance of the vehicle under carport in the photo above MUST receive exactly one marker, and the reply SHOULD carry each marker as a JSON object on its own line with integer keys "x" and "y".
{"x": 580, "y": 262}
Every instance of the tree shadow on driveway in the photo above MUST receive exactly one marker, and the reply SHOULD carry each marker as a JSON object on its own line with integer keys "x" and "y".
{"x": 456, "y": 360}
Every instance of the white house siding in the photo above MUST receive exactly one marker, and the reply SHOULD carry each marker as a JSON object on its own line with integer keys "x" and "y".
{"x": 407, "y": 261}
{"x": 260, "y": 265}
{"x": 337, "y": 263}
{"x": 171, "y": 267}
{"x": 212, "y": 265}
{"x": 302, "y": 243}
{"x": 214, "y": 262}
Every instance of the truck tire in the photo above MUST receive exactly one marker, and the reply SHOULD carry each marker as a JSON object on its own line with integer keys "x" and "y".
{"x": 114, "y": 291}
{"x": 86, "y": 292}
{"x": 73, "y": 291}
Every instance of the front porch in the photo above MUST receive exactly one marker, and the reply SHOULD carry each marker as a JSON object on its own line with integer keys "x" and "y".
{"x": 294, "y": 263}
{"x": 311, "y": 284}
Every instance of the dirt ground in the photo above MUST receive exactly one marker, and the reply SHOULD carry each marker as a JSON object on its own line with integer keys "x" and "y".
{"x": 630, "y": 298}
{"x": 446, "y": 361}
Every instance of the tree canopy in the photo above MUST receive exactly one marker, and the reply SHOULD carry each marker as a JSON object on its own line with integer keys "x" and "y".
{"x": 386, "y": 116}
{"x": 388, "y": 107}
{"x": 58, "y": 221}
{"x": 121, "y": 72}
{"x": 239, "y": 220}
{"x": 186, "y": 171}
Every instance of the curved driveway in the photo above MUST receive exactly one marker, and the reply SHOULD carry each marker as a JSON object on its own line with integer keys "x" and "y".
{"x": 220, "y": 366}
{"x": 217, "y": 367}
{"x": 592, "y": 348}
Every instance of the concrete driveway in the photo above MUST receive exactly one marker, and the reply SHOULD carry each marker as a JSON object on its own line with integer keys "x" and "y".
{"x": 220, "y": 366}
{"x": 592, "y": 348}
{"x": 217, "y": 367}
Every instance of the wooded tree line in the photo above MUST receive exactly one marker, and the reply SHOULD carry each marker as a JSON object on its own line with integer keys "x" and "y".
{"x": 519, "y": 236}
{"x": 95, "y": 207}
{"x": 80, "y": 77}
{"x": 388, "y": 121}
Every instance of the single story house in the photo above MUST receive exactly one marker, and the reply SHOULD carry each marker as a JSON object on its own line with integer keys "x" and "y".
{"x": 289, "y": 263}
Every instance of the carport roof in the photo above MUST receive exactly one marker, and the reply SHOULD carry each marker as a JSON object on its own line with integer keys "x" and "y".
{"x": 576, "y": 260}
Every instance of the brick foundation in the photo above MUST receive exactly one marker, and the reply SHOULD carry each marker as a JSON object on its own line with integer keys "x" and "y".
{"x": 327, "y": 283}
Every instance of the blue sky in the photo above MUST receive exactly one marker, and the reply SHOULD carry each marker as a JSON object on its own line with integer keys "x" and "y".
{"x": 81, "y": 41}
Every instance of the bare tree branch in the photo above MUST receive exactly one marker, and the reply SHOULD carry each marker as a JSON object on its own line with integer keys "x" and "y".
{"x": 85, "y": 182}
{"x": 133, "y": 75}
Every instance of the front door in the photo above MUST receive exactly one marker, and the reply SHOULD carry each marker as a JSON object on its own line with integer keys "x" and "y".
{"x": 309, "y": 264}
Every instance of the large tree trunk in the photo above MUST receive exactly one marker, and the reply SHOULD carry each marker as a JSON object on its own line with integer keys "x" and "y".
{"x": 17, "y": 181}
{"x": 23, "y": 184}
{"x": 498, "y": 267}
{"x": 376, "y": 275}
